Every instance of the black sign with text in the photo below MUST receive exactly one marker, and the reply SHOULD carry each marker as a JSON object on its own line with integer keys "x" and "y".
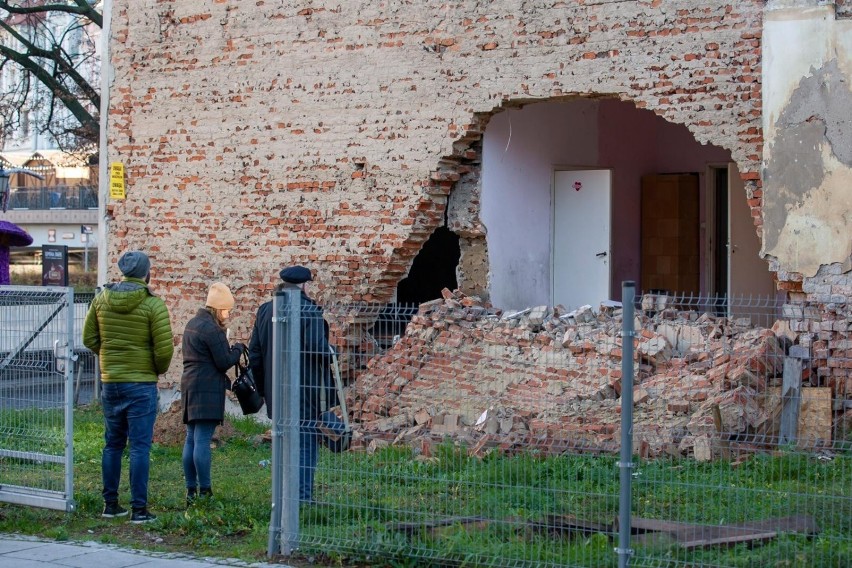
{"x": 54, "y": 265}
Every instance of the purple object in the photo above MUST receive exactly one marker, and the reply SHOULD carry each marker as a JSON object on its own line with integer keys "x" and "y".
{"x": 11, "y": 235}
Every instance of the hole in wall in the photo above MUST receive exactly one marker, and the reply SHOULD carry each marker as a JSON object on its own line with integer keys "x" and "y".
{"x": 433, "y": 269}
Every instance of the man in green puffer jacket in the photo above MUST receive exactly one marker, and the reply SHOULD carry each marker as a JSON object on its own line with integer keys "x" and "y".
{"x": 128, "y": 327}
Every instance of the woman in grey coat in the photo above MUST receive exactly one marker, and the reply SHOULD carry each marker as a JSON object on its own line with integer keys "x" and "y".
{"x": 207, "y": 357}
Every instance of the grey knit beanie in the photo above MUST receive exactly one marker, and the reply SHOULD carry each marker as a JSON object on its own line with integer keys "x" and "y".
{"x": 134, "y": 264}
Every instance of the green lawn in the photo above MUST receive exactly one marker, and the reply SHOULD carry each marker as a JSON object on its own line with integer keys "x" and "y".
{"x": 502, "y": 505}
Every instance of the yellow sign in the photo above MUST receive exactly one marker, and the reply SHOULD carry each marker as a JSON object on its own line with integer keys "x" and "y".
{"x": 116, "y": 180}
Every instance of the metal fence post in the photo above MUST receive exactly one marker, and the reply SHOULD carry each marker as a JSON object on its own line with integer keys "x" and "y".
{"x": 290, "y": 404}
{"x": 286, "y": 417}
{"x": 279, "y": 307}
{"x": 70, "y": 369}
{"x": 628, "y": 294}
{"x": 96, "y": 396}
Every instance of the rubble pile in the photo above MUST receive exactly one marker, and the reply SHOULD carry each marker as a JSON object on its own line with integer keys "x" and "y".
{"x": 550, "y": 379}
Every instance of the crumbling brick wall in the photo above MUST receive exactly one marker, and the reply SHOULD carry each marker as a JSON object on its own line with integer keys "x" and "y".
{"x": 256, "y": 134}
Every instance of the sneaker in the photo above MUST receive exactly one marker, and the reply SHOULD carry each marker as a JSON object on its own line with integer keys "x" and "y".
{"x": 112, "y": 510}
{"x": 142, "y": 515}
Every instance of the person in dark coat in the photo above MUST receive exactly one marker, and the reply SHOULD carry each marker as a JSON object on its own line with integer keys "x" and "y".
{"x": 207, "y": 357}
{"x": 315, "y": 370}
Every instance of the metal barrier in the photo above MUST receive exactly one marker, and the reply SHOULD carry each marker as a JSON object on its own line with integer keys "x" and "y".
{"x": 86, "y": 370}
{"x": 742, "y": 433}
{"x": 665, "y": 430}
{"x": 37, "y": 356}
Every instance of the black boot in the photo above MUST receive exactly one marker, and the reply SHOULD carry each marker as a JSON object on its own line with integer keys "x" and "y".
{"x": 206, "y": 492}
{"x": 191, "y": 495}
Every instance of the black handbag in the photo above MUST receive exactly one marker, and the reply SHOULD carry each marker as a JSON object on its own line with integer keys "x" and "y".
{"x": 335, "y": 434}
{"x": 245, "y": 388}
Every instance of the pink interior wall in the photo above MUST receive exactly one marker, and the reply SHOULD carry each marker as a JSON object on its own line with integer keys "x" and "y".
{"x": 627, "y": 139}
{"x": 522, "y": 148}
{"x": 634, "y": 143}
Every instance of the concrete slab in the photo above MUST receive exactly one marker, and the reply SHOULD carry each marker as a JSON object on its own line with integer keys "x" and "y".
{"x": 105, "y": 558}
{"x": 15, "y": 545}
{"x": 54, "y": 551}
{"x": 18, "y": 551}
{"x": 18, "y": 563}
{"x": 173, "y": 563}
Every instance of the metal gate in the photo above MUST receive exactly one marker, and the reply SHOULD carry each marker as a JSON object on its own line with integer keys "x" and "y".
{"x": 37, "y": 351}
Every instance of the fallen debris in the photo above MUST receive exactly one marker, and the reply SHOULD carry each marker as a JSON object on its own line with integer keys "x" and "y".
{"x": 550, "y": 380}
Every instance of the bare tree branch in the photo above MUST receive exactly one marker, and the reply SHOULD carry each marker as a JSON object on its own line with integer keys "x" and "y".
{"x": 80, "y": 7}
{"x": 62, "y": 61}
{"x": 44, "y": 56}
{"x": 57, "y": 89}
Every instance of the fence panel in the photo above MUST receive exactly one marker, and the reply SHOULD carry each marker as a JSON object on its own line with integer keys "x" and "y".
{"x": 86, "y": 372}
{"x": 462, "y": 450}
{"x": 740, "y": 459}
{"x": 37, "y": 342}
{"x": 484, "y": 437}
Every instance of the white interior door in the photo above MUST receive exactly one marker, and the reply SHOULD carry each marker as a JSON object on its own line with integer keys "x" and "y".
{"x": 581, "y": 237}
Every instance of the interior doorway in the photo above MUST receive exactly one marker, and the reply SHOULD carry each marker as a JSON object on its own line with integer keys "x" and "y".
{"x": 734, "y": 269}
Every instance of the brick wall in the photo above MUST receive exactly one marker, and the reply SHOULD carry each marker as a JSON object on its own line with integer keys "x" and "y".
{"x": 261, "y": 133}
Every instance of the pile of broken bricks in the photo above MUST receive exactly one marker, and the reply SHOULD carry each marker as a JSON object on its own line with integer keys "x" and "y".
{"x": 549, "y": 379}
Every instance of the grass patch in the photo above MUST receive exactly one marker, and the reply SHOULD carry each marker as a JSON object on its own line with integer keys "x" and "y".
{"x": 495, "y": 504}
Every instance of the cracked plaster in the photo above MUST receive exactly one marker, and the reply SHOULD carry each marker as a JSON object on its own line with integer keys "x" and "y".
{"x": 808, "y": 205}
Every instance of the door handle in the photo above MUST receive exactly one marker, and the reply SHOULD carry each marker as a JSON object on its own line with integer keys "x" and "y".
{"x": 601, "y": 254}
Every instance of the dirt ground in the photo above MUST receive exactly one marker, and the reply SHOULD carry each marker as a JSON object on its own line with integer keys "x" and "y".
{"x": 169, "y": 429}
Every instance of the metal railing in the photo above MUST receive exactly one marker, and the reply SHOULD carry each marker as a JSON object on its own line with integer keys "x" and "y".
{"x": 54, "y": 197}
{"x": 666, "y": 430}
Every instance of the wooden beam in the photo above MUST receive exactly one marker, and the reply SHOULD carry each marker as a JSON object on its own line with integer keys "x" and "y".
{"x": 412, "y": 528}
{"x": 791, "y": 401}
{"x": 561, "y": 525}
{"x": 724, "y": 443}
{"x": 801, "y": 524}
{"x": 692, "y": 535}
{"x": 750, "y": 538}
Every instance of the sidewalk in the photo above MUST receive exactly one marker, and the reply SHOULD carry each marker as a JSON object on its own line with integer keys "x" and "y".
{"x": 26, "y": 552}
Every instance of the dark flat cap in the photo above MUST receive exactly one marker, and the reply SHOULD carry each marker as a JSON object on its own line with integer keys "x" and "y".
{"x": 295, "y": 274}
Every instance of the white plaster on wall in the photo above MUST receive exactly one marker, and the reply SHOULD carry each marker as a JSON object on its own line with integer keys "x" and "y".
{"x": 816, "y": 229}
{"x": 794, "y": 41}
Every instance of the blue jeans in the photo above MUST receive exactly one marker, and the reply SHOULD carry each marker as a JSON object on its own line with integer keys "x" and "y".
{"x": 308, "y": 454}
{"x": 129, "y": 413}
{"x": 196, "y": 453}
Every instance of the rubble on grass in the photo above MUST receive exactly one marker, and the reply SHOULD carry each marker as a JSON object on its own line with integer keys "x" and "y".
{"x": 550, "y": 380}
